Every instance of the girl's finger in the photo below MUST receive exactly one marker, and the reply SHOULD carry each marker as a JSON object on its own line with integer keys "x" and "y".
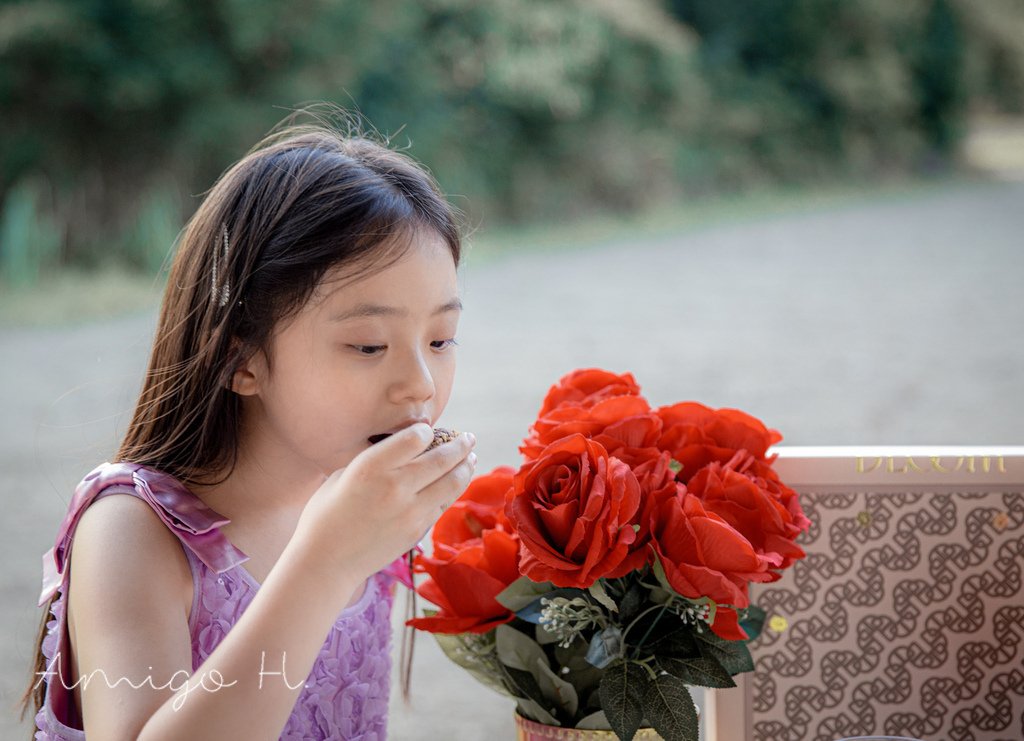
{"x": 434, "y": 464}
{"x": 401, "y": 447}
{"x": 448, "y": 488}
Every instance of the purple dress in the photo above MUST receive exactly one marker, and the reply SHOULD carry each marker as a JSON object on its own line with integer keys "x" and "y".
{"x": 346, "y": 693}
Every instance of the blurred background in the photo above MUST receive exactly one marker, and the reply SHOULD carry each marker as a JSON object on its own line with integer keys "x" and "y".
{"x": 809, "y": 209}
{"x": 118, "y": 115}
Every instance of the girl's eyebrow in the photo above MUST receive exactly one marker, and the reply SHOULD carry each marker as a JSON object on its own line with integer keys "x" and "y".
{"x": 361, "y": 311}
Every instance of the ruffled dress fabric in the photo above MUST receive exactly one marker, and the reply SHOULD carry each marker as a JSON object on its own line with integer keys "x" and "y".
{"x": 346, "y": 693}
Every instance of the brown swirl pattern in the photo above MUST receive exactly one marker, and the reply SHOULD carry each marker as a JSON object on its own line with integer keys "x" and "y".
{"x": 906, "y": 619}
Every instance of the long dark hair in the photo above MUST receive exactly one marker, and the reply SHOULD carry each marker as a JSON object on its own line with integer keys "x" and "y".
{"x": 308, "y": 198}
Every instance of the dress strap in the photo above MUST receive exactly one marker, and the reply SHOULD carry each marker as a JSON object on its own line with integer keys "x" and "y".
{"x": 196, "y": 525}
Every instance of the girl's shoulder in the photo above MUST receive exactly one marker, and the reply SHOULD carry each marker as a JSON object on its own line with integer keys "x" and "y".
{"x": 166, "y": 512}
{"x": 124, "y": 554}
{"x": 127, "y": 584}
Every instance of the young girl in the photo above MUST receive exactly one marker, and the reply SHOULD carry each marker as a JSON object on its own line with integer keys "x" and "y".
{"x": 242, "y": 589}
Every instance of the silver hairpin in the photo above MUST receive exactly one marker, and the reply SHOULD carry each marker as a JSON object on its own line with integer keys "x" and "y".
{"x": 221, "y": 297}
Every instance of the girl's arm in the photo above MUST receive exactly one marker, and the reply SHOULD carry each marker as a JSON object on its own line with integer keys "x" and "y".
{"x": 132, "y": 634}
{"x": 127, "y": 610}
{"x": 354, "y": 525}
{"x": 240, "y": 690}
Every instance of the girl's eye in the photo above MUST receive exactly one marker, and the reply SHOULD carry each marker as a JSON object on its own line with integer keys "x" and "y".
{"x": 368, "y": 349}
{"x": 371, "y": 350}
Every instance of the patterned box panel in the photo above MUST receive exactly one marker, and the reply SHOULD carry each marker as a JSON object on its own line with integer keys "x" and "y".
{"x": 907, "y": 616}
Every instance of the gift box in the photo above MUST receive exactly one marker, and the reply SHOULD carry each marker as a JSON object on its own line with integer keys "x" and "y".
{"x": 906, "y": 618}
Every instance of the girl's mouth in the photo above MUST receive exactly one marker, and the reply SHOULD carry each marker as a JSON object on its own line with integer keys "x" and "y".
{"x": 374, "y": 439}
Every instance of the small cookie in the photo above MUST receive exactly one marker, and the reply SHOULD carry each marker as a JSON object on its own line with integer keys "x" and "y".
{"x": 442, "y": 436}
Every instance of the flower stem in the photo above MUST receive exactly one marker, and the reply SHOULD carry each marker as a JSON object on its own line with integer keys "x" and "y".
{"x": 636, "y": 651}
{"x": 637, "y": 619}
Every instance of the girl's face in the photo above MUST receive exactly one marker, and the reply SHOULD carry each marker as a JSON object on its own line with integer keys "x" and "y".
{"x": 369, "y": 357}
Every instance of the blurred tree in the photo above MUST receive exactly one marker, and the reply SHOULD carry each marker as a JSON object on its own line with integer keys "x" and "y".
{"x": 529, "y": 108}
{"x": 994, "y": 53}
{"x": 939, "y": 75}
{"x": 868, "y": 84}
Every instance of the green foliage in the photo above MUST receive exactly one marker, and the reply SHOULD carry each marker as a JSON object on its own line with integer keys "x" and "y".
{"x": 700, "y": 672}
{"x": 147, "y": 241}
{"x": 734, "y": 656}
{"x": 669, "y": 707}
{"x": 522, "y": 592}
{"x": 517, "y": 650}
{"x": 626, "y": 665}
{"x": 29, "y": 240}
{"x": 622, "y": 692}
{"x": 475, "y": 653}
{"x": 865, "y": 84}
{"x": 530, "y": 109}
{"x": 752, "y": 622}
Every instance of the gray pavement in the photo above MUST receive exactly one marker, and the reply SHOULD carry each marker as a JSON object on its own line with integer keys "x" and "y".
{"x": 885, "y": 321}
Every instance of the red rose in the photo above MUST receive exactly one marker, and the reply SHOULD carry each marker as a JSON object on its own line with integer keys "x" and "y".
{"x": 704, "y": 556}
{"x": 696, "y": 435}
{"x": 587, "y": 386}
{"x": 758, "y": 515}
{"x": 475, "y": 557}
{"x": 481, "y": 507}
{"x": 584, "y": 420}
{"x": 464, "y": 580}
{"x": 574, "y": 508}
{"x": 765, "y": 477}
{"x": 634, "y": 441}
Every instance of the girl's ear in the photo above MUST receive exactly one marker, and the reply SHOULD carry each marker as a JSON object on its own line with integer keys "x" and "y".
{"x": 245, "y": 378}
{"x": 243, "y": 381}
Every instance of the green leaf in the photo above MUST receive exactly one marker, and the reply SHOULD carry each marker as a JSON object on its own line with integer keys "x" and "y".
{"x": 523, "y": 684}
{"x": 583, "y": 675}
{"x": 753, "y": 621}
{"x": 734, "y": 656}
{"x": 471, "y": 652}
{"x": 668, "y": 707}
{"x": 632, "y": 602}
{"x": 701, "y": 672}
{"x": 661, "y": 596}
{"x": 517, "y": 650}
{"x": 679, "y": 643}
{"x": 557, "y": 690}
{"x": 659, "y": 573}
{"x": 675, "y": 466}
{"x": 522, "y": 592}
{"x": 534, "y": 711}
{"x": 622, "y": 691}
{"x": 594, "y": 722}
{"x": 598, "y": 592}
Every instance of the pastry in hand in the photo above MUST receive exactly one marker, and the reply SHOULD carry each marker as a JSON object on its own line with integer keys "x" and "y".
{"x": 441, "y": 436}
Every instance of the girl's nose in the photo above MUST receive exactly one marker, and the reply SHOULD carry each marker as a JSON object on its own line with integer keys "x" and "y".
{"x": 413, "y": 379}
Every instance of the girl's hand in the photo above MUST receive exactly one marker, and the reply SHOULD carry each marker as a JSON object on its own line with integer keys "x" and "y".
{"x": 367, "y": 514}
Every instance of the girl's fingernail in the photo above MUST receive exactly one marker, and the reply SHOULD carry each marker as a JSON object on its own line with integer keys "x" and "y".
{"x": 471, "y": 436}
{"x": 472, "y": 458}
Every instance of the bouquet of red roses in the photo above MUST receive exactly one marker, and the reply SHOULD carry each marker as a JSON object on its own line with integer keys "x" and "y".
{"x": 612, "y": 569}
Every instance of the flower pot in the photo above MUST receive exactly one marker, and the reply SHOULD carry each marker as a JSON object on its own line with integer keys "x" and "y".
{"x": 529, "y": 730}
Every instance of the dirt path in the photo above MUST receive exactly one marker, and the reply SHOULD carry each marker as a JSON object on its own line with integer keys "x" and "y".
{"x": 887, "y": 321}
